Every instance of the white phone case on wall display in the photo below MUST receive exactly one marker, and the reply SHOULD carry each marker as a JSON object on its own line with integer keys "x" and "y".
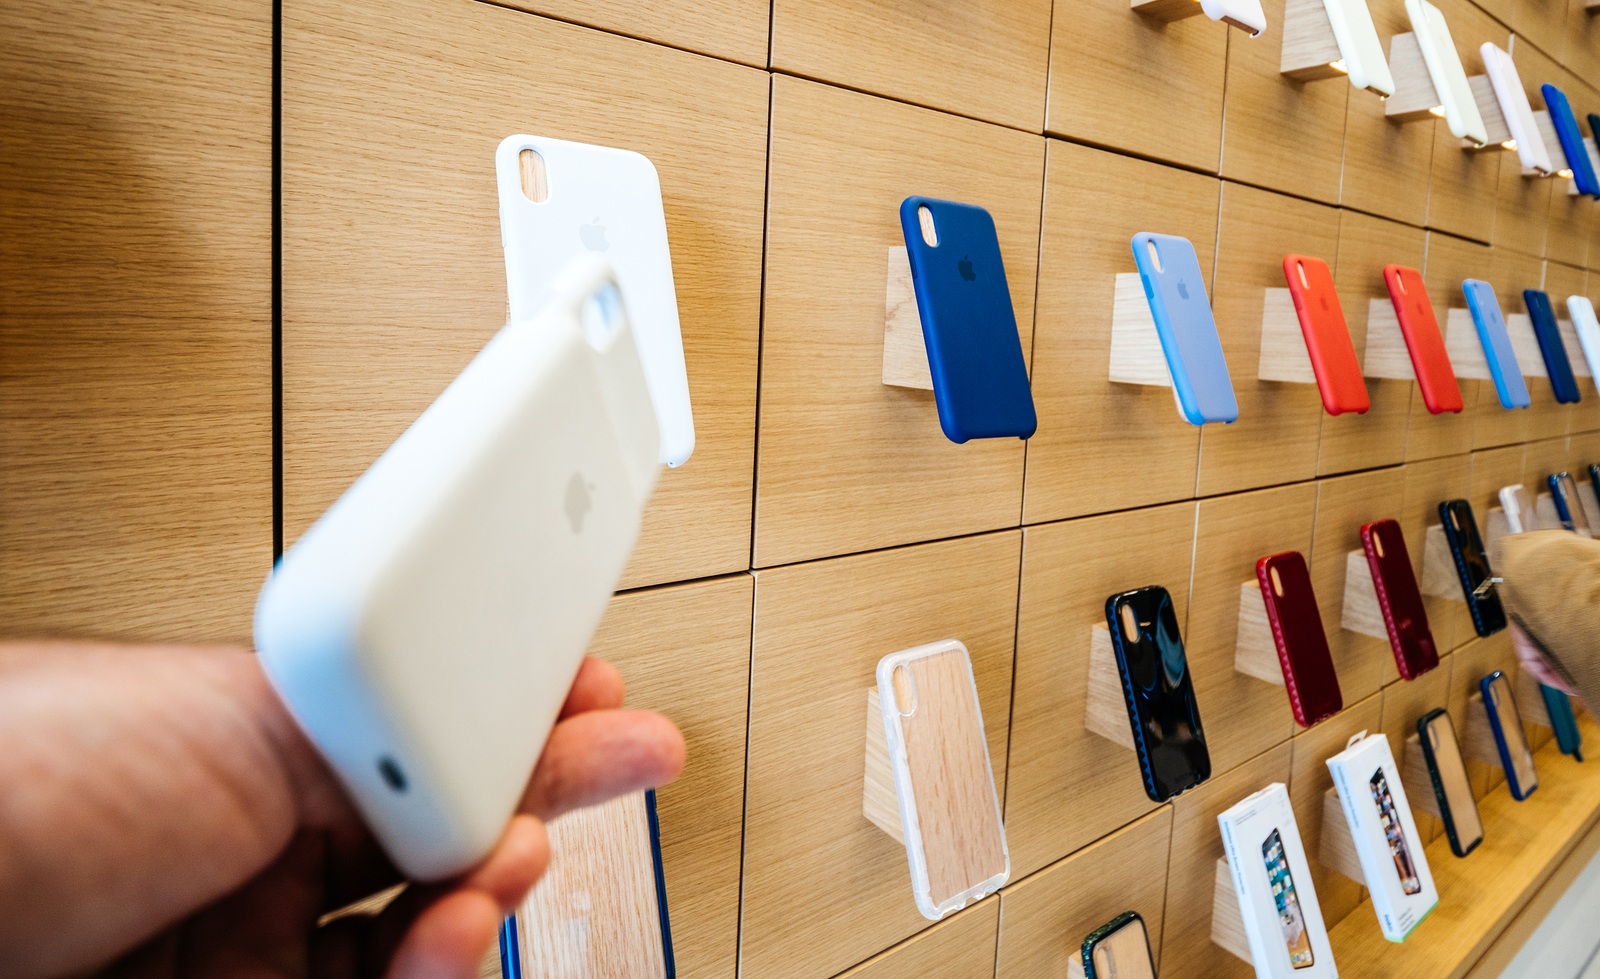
{"x": 607, "y": 200}
{"x": 425, "y": 630}
{"x": 1514, "y": 105}
{"x": 1584, "y": 322}
{"x": 1359, "y": 45}
{"x": 1246, "y": 15}
{"x": 1444, "y": 68}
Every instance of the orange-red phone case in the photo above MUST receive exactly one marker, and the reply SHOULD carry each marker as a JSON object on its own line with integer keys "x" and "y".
{"x": 1435, "y": 377}
{"x": 1322, "y": 323}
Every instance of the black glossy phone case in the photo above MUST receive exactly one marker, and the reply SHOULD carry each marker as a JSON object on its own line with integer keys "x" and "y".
{"x": 1159, "y": 694}
{"x": 1423, "y": 723}
{"x": 1472, "y": 566}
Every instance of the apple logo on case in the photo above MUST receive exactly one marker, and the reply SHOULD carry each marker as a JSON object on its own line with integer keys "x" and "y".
{"x": 965, "y": 268}
{"x": 593, "y": 236}
{"x": 1324, "y": 301}
{"x": 578, "y": 503}
{"x": 1183, "y": 290}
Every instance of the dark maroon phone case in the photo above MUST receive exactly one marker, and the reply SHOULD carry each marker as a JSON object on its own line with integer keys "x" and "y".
{"x": 1401, "y": 600}
{"x": 1308, "y": 672}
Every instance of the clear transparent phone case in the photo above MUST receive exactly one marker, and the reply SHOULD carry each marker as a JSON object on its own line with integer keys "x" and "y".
{"x": 949, "y": 809}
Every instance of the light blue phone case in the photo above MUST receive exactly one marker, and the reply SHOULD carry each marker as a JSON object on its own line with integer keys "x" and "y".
{"x": 1176, "y": 290}
{"x": 1503, "y": 366}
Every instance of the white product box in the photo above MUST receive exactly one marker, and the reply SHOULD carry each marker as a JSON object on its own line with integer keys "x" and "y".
{"x": 1385, "y": 835}
{"x": 1272, "y": 881}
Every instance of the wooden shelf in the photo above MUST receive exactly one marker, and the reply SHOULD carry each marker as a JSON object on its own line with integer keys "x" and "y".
{"x": 1481, "y": 895}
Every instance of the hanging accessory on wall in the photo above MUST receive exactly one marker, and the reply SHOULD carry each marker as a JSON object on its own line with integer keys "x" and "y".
{"x": 1526, "y": 136}
{"x": 1324, "y": 335}
{"x": 1494, "y": 346}
{"x": 1333, "y": 38}
{"x": 1408, "y": 295}
{"x": 1174, "y": 290}
{"x": 1429, "y": 79}
{"x": 1246, "y": 15}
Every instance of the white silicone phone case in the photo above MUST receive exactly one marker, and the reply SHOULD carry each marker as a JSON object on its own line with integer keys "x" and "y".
{"x": 1513, "y": 99}
{"x": 1246, "y": 15}
{"x": 1444, "y": 68}
{"x": 1584, "y": 322}
{"x": 1359, "y": 45}
{"x": 424, "y": 631}
{"x": 600, "y": 199}
{"x": 1517, "y": 505}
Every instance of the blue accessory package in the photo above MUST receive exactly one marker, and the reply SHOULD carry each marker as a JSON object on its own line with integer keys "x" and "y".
{"x": 1571, "y": 140}
{"x": 1497, "y": 349}
{"x": 1176, "y": 290}
{"x": 1556, "y": 364}
{"x": 980, "y": 381}
{"x": 1559, "y": 708}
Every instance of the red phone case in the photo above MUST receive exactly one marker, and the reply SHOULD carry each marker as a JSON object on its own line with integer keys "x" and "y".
{"x": 1435, "y": 376}
{"x": 1308, "y": 672}
{"x": 1404, "y": 616}
{"x": 1322, "y": 323}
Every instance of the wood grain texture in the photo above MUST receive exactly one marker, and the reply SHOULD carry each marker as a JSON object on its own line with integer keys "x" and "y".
{"x": 1336, "y": 848}
{"x": 1186, "y": 946}
{"x": 1438, "y": 578}
{"x": 1105, "y": 710}
{"x": 1415, "y": 96}
{"x": 1404, "y": 703}
{"x": 1470, "y": 664}
{"x": 1417, "y": 780}
{"x": 1561, "y": 281}
{"x": 1522, "y": 204}
{"x": 1377, "y": 438}
{"x": 1275, "y": 438}
{"x": 1542, "y": 23}
{"x": 1309, "y": 781}
{"x": 732, "y": 29}
{"x": 1450, "y": 261}
{"x": 1462, "y": 182}
{"x": 1277, "y": 132}
{"x": 986, "y": 59}
{"x": 1583, "y": 38}
{"x": 1511, "y": 272}
{"x": 1465, "y": 348}
{"x": 136, "y": 374}
{"x": 1069, "y": 569}
{"x": 841, "y": 164}
{"x": 1095, "y": 202}
{"x": 1425, "y": 485}
{"x": 1137, "y": 356}
{"x": 820, "y": 630}
{"x": 1044, "y": 919}
{"x": 961, "y": 946}
{"x": 905, "y": 349}
{"x": 1283, "y": 344}
{"x": 1387, "y": 355}
{"x": 1574, "y": 218}
{"x": 879, "y": 801}
{"x": 1172, "y": 72}
{"x": 1388, "y": 165}
{"x": 1255, "y": 652}
{"x": 1361, "y": 612}
{"x": 1533, "y": 913}
{"x": 1344, "y": 503}
{"x": 1243, "y": 716}
{"x": 1309, "y": 46}
{"x": 1227, "y": 921}
{"x": 393, "y": 272}
{"x": 649, "y": 636}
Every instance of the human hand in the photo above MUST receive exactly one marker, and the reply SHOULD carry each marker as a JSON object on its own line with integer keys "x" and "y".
{"x": 163, "y": 816}
{"x": 1533, "y": 661}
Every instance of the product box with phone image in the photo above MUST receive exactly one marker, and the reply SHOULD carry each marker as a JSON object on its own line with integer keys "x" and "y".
{"x": 1385, "y": 834}
{"x": 1272, "y": 881}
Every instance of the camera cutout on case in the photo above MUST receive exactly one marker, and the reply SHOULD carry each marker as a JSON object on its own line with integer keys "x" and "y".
{"x": 905, "y": 691}
{"x": 1277, "y": 582}
{"x": 930, "y": 234}
{"x": 1155, "y": 255}
{"x": 1130, "y": 624}
{"x": 535, "y": 179}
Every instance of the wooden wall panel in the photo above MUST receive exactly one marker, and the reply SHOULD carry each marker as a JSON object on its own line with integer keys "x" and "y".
{"x": 1523, "y": 203}
{"x": 820, "y": 630}
{"x": 1309, "y": 780}
{"x": 1511, "y": 273}
{"x": 986, "y": 59}
{"x": 393, "y": 273}
{"x": 961, "y": 947}
{"x": 1463, "y": 184}
{"x": 1095, "y": 202}
{"x": 136, "y": 318}
{"x": 848, "y": 463}
{"x": 1275, "y": 438}
{"x": 731, "y": 29}
{"x": 1387, "y": 165}
{"x": 1377, "y": 438}
{"x": 1044, "y": 919}
{"x": 1068, "y": 571}
{"x": 1429, "y": 483}
{"x": 1167, "y": 75}
{"x": 649, "y": 636}
{"x": 1404, "y": 703}
{"x": 1583, "y": 41}
{"x": 1542, "y": 23}
{"x": 1450, "y": 262}
{"x": 1344, "y": 503}
{"x": 1491, "y": 469}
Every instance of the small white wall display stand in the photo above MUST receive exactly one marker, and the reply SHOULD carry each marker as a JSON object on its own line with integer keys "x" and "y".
{"x": 1494, "y": 120}
{"x": 1495, "y": 529}
{"x": 1439, "y": 576}
{"x": 1552, "y": 145}
{"x": 1361, "y": 612}
{"x": 1525, "y": 344}
{"x": 1283, "y": 344}
{"x": 1386, "y": 354}
{"x": 1310, "y": 48}
{"x": 905, "y": 353}
{"x": 1462, "y": 343}
{"x": 1136, "y": 354}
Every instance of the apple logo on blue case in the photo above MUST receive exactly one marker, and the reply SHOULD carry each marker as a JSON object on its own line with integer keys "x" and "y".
{"x": 1183, "y": 290}
{"x": 593, "y": 236}
{"x": 965, "y": 268}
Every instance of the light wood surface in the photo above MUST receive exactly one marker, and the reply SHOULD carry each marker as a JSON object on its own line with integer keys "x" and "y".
{"x": 1450, "y": 260}
{"x": 1462, "y": 182}
{"x": 1166, "y": 11}
{"x": 961, "y": 946}
{"x": 1361, "y": 612}
{"x": 1137, "y": 356}
{"x": 1522, "y": 205}
{"x": 1530, "y": 701}
{"x": 136, "y": 323}
{"x": 820, "y": 630}
{"x": 1309, "y": 46}
{"x": 1560, "y": 281}
{"x": 1438, "y": 578}
{"x": 1227, "y": 922}
{"x": 830, "y": 429}
{"x": 1336, "y": 849}
{"x": 1417, "y": 780}
{"x": 1344, "y": 503}
{"x": 1045, "y": 917}
{"x": 1511, "y": 272}
{"x": 1469, "y": 665}
{"x": 1574, "y": 218}
{"x": 879, "y": 801}
{"x": 1542, "y": 24}
{"x": 1255, "y": 651}
{"x": 1496, "y": 128}
{"x": 1387, "y": 164}
{"x": 1415, "y": 96}
{"x": 1309, "y": 781}
{"x": 1283, "y": 346}
{"x": 731, "y": 29}
{"x": 1465, "y": 347}
{"x": 905, "y": 349}
{"x": 1387, "y": 355}
{"x": 1105, "y": 709}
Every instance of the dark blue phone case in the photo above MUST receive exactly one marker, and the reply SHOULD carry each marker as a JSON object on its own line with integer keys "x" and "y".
{"x": 1497, "y": 350}
{"x": 1571, "y": 140}
{"x": 1565, "y": 506}
{"x": 1562, "y": 721}
{"x": 980, "y": 381}
{"x": 1556, "y": 364}
{"x": 1484, "y": 686}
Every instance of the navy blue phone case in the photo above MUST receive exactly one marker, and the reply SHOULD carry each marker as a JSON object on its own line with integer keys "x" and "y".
{"x": 1562, "y": 721}
{"x": 1571, "y": 140}
{"x": 1556, "y": 364}
{"x": 980, "y": 382}
{"x": 1518, "y": 791}
{"x": 1565, "y": 505}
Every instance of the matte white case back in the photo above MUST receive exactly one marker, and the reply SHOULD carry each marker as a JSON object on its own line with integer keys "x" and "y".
{"x": 424, "y": 631}
{"x": 1517, "y": 504}
{"x": 1449, "y": 77}
{"x": 1359, "y": 45}
{"x": 600, "y": 199}
{"x": 1588, "y": 329}
{"x": 1385, "y": 834}
{"x": 1513, "y": 99}
{"x": 1244, "y": 14}
{"x": 1246, "y": 830}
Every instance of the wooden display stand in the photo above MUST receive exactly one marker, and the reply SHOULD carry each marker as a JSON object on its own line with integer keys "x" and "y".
{"x": 1545, "y": 516}
{"x": 1387, "y": 355}
{"x": 1415, "y": 96}
{"x": 1337, "y": 849}
{"x": 1495, "y": 529}
{"x": 1310, "y": 49}
{"x": 1465, "y": 348}
{"x": 1494, "y": 120}
{"x": 1439, "y": 576}
{"x": 1227, "y": 922}
{"x": 1416, "y": 780}
{"x": 905, "y": 353}
{"x": 1552, "y": 146}
{"x": 1525, "y": 343}
{"x": 1361, "y": 612}
{"x": 1166, "y": 10}
{"x": 1255, "y": 652}
{"x": 1136, "y": 354}
{"x": 879, "y": 801}
{"x": 1283, "y": 343}
{"x": 1570, "y": 342}
{"x": 1530, "y": 700}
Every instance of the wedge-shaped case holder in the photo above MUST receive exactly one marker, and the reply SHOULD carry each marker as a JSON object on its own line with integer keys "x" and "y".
{"x": 1525, "y": 345}
{"x": 929, "y": 784}
{"x": 1429, "y": 80}
{"x": 601, "y": 908}
{"x": 1333, "y": 38}
{"x": 1387, "y": 357}
{"x": 1246, "y": 15}
{"x": 1186, "y": 334}
{"x": 560, "y": 200}
{"x": 969, "y": 329}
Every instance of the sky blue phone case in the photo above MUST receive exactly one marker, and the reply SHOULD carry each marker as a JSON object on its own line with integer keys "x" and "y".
{"x": 980, "y": 381}
{"x": 1556, "y": 364}
{"x": 1571, "y": 138}
{"x": 1182, "y": 312}
{"x": 1497, "y": 350}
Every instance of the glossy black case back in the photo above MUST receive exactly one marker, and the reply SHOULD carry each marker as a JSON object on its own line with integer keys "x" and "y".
{"x": 1472, "y": 566}
{"x": 1160, "y": 693}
